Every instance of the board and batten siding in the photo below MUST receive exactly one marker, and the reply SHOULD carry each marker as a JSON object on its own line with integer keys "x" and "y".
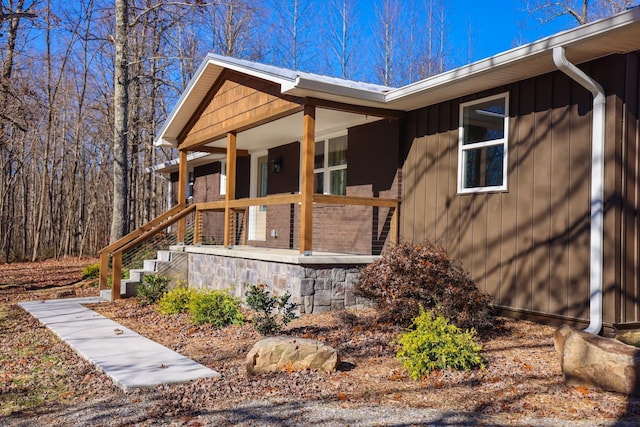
{"x": 528, "y": 246}
{"x": 628, "y": 308}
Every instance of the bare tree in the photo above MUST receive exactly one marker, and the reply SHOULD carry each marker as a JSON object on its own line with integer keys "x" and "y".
{"x": 581, "y": 11}
{"x": 342, "y": 33}
{"x": 387, "y": 39}
{"x": 291, "y": 21}
{"x": 120, "y": 212}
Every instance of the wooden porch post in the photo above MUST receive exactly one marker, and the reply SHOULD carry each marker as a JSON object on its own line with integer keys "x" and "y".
{"x": 308, "y": 153}
{"x": 182, "y": 192}
{"x": 231, "y": 186}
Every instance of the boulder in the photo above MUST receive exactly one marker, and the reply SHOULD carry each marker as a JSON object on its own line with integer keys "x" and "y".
{"x": 591, "y": 361}
{"x": 278, "y": 353}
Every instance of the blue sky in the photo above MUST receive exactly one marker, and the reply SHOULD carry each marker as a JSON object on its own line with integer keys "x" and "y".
{"x": 497, "y": 25}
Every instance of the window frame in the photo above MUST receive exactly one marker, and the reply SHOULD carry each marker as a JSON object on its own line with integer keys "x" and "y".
{"x": 326, "y": 169}
{"x": 504, "y": 142}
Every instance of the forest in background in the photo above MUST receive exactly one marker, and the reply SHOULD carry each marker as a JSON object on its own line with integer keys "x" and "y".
{"x": 57, "y": 91}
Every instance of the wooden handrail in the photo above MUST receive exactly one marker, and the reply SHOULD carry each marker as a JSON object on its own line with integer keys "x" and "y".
{"x": 147, "y": 235}
{"x": 142, "y": 229}
{"x": 135, "y": 237}
{"x": 352, "y": 200}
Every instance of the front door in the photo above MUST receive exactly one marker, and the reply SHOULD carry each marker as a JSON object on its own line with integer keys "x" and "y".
{"x": 258, "y": 214}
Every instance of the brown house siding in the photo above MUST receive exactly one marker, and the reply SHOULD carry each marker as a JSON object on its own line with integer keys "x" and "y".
{"x": 628, "y": 309}
{"x": 528, "y": 246}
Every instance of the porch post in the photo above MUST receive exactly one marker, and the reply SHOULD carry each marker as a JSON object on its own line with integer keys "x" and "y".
{"x": 231, "y": 186}
{"x": 182, "y": 193}
{"x": 308, "y": 153}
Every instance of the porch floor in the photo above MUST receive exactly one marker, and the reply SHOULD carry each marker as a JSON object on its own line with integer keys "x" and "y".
{"x": 287, "y": 256}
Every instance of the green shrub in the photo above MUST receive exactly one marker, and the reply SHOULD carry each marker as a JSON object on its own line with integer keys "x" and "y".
{"x": 271, "y": 313}
{"x": 408, "y": 276}
{"x": 217, "y": 308}
{"x": 176, "y": 300}
{"x": 91, "y": 271}
{"x": 433, "y": 343}
{"x": 152, "y": 288}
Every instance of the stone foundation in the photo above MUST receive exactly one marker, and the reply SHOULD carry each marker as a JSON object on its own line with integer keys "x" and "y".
{"x": 316, "y": 288}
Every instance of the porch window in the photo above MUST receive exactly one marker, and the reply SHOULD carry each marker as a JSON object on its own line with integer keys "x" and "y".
{"x": 330, "y": 170}
{"x": 482, "y": 145}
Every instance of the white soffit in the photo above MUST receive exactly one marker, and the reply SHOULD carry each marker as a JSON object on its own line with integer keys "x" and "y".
{"x": 289, "y": 129}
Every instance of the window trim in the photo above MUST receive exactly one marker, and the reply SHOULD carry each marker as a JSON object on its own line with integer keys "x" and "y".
{"x": 483, "y": 144}
{"x": 326, "y": 169}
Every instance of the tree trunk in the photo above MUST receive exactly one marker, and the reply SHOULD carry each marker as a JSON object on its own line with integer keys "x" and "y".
{"x": 120, "y": 215}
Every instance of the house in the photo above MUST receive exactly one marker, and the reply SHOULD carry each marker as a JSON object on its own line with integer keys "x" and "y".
{"x": 524, "y": 166}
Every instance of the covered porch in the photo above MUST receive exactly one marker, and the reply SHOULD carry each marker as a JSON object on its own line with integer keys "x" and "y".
{"x": 308, "y": 175}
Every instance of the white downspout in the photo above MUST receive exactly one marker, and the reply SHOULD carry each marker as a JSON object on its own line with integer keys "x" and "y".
{"x": 597, "y": 185}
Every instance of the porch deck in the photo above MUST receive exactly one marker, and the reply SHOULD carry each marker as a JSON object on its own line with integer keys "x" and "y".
{"x": 286, "y": 256}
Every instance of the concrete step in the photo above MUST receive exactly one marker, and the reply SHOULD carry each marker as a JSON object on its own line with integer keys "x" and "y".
{"x": 171, "y": 263}
{"x": 164, "y": 255}
{"x": 149, "y": 264}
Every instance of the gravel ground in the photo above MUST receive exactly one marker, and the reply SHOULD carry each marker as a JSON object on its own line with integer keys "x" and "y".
{"x": 124, "y": 412}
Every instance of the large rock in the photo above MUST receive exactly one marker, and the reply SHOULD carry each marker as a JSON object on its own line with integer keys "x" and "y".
{"x": 591, "y": 361}
{"x": 279, "y": 353}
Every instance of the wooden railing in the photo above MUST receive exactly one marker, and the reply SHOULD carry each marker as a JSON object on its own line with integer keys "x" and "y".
{"x": 243, "y": 205}
{"x": 115, "y": 250}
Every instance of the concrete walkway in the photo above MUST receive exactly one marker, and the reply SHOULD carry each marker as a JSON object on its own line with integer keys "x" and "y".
{"x": 129, "y": 359}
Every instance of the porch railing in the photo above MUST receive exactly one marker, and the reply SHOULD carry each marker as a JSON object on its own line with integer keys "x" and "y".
{"x": 386, "y": 224}
{"x": 384, "y": 227}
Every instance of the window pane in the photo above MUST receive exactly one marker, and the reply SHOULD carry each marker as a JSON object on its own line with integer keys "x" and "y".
{"x": 338, "y": 182}
{"x": 319, "y": 184}
{"x": 484, "y": 167}
{"x": 319, "y": 155}
{"x": 338, "y": 151}
{"x": 484, "y": 121}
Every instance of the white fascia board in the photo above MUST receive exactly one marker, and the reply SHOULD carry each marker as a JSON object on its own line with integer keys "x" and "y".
{"x": 522, "y": 53}
{"x": 316, "y": 85}
{"x": 161, "y": 139}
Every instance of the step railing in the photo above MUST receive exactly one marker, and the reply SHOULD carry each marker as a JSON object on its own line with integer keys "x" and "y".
{"x": 115, "y": 250}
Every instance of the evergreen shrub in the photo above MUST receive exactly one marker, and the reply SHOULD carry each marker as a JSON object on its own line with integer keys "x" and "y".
{"x": 272, "y": 313}
{"x": 91, "y": 271}
{"x": 152, "y": 288}
{"x": 217, "y": 308}
{"x": 176, "y": 300}
{"x": 432, "y": 343}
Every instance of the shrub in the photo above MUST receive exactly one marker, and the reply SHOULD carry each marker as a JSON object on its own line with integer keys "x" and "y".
{"x": 409, "y": 275}
{"x": 271, "y": 313}
{"x": 433, "y": 343}
{"x": 91, "y": 271}
{"x": 152, "y": 288}
{"x": 176, "y": 300}
{"x": 217, "y": 308}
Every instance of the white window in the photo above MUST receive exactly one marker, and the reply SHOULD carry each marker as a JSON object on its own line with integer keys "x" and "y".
{"x": 223, "y": 177}
{"x": 482, "y": 145}
{"x": 330, "y": 169}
